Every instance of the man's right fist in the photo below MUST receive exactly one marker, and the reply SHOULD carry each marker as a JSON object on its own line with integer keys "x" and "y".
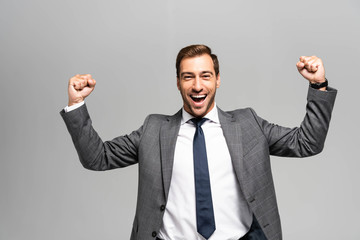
{"x": 80, "y": 86}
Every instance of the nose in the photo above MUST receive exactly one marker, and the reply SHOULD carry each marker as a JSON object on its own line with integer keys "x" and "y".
{"x": 197, "y": 87}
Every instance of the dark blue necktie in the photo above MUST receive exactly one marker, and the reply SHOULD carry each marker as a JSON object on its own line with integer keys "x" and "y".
{"x": 204, "y": 208}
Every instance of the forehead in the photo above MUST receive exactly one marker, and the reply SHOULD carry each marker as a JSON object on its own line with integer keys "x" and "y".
{"x": 197, "y": 64}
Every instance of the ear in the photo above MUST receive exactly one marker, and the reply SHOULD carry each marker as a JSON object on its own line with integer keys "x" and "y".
{"x": 218, "y": 80}
{"x": 178, "y": 82}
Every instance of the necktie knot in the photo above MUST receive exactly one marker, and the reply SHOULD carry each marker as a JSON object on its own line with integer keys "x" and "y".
{"x": 198, "y": 121}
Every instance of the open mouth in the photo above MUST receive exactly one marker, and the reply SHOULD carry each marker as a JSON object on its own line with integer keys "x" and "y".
{"x": 198, "y": 98}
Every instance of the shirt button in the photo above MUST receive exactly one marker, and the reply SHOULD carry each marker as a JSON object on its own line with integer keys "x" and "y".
{"x": 154, "y": 234}
{"x": 162, "y": 208}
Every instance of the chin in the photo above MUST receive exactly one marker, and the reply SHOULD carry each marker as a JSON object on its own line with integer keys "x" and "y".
{"x": 198, "y": 113}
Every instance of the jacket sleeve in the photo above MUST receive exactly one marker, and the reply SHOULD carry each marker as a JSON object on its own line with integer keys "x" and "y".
{"x": 94, "y": 154}
{"x": 309, "y": 138}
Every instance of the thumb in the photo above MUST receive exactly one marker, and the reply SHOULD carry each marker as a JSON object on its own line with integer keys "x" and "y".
{"x": 300, "y": 65}
{"x": 91, "y": 83}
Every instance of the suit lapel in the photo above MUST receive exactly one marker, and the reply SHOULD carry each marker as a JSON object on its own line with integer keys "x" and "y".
{"x": 168, "y": 136}
{"x": 232, "y": 133}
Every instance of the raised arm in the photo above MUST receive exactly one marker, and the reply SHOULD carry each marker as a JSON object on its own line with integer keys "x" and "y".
{"x": 309, "y": 138}
{"x": 93, "y": 153}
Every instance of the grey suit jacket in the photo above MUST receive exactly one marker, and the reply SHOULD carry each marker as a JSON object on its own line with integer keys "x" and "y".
{"x": 250, "y": 140}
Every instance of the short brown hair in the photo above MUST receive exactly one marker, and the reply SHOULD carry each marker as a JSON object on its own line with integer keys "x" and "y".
{"x": 194, "y": 51}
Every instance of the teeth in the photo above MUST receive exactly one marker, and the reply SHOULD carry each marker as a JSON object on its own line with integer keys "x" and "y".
{"x": 198, "y": 96}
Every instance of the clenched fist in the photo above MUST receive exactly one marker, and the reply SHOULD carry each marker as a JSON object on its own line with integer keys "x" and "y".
{"x": 311, "y": 68}
{"x": 80, "y": 86}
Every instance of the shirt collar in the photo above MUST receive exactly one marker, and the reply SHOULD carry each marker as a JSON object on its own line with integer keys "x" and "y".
{"x": 212, "y": 115}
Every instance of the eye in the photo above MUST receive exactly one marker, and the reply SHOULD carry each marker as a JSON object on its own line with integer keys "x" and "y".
{"x": 206, "y": 76}
{"x": 187, "y": 77}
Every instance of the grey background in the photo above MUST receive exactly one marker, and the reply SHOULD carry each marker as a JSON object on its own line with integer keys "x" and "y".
{"x": 130, "y": 48}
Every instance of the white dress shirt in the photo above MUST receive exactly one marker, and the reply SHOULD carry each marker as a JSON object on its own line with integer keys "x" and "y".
{"x": 232, "y": 214}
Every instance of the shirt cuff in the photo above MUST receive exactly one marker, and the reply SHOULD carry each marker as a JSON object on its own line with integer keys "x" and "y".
{"x": 73, "y": 107}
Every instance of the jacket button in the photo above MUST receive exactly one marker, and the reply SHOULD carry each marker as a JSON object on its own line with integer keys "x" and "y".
{"x": 162, "y": 207}
{"x": 154, "y": 234}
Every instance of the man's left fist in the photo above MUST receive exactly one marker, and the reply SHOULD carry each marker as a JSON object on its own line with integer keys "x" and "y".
{"x": 311, "y": 68}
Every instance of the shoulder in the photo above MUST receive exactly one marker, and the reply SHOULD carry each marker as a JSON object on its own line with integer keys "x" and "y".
{"x": 239, "y": 114}
{"x": 160, "y": 119}
{"x": 245, "y": 117}
{"x": 157, "y": 117}
{"x": 154, "y": 120}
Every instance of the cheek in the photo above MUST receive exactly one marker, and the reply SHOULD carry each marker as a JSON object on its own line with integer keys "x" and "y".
{"x": 184, "y": 87}
{"x": 182, "y": 91}
{"x": 212, "y": 87}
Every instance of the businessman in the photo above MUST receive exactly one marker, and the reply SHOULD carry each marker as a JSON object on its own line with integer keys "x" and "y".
{"x": 204, "y": 173}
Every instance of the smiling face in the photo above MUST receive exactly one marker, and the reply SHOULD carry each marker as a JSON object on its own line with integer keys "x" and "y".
{"x": 197, "y": 83}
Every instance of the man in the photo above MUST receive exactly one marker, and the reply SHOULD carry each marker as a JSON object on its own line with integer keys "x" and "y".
{"x": 203, "y": 173}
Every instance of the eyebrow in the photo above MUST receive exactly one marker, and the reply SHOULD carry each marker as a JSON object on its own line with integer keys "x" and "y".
{"x": 191, "y": 73}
